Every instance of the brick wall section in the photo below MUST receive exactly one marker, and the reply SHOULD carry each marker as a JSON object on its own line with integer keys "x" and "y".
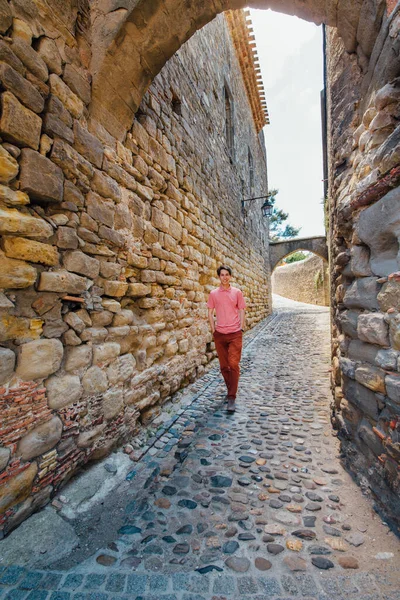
{"x": 303, "y": 281}
{"x": 109, "y": 250}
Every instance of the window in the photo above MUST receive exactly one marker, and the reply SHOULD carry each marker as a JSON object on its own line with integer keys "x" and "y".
{"x": 251, "y": 172}
{"x": 229, "y": 129}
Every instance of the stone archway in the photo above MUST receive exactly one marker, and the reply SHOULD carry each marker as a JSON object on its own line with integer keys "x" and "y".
{"x": 279, "y": 250}
{"x": 149, "y": 32}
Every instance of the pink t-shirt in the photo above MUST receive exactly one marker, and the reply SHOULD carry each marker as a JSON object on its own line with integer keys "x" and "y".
{"x": 227, "y": 303}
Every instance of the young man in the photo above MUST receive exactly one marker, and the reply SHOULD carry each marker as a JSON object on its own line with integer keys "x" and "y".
{"x": 229, "y": 305}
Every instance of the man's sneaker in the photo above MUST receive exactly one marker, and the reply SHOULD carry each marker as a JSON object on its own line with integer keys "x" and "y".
{"x": 231, "y": 405}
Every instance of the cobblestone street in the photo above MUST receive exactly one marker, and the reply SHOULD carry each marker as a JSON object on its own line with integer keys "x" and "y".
{"x": 252, "y": 505}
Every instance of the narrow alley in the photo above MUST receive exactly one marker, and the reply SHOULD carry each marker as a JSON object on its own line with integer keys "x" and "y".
{"x": 251, "y": 505}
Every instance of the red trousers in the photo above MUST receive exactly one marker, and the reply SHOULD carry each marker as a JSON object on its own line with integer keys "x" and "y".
{"x": 229, "y": 350}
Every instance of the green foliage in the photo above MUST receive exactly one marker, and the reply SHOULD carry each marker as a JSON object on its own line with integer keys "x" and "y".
{"x": 277, "y": 227}
{"x": 295, "y": 257}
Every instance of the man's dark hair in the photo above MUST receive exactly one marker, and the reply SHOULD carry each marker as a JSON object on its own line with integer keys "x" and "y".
{"x": 224, "y": 268}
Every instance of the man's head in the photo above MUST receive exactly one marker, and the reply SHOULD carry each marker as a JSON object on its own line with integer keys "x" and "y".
{"x": 224, "y": 273}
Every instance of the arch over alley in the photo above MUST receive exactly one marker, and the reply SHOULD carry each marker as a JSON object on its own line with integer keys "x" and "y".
{"x": 149, "y": 32}
{"x": 279, "y": 250}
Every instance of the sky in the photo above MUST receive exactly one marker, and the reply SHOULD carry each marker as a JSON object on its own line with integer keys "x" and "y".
{"x": 290, "y": 55}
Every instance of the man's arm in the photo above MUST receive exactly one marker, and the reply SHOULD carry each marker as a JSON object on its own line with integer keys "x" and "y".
{"x": 211, "y": 319}
{"x": 242, "y": 317}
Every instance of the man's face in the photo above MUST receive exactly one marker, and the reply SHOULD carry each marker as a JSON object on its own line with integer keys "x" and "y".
{"x": 224, "y": 277}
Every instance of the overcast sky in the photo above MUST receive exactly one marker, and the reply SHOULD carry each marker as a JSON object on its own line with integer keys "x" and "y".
{"x": 290, "y": 53}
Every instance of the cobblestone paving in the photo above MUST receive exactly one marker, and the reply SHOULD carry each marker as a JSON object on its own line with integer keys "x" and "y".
{"x": 253, "y": 505}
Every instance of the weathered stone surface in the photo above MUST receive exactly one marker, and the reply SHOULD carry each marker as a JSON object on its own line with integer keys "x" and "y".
{"x": 100, "y": 210}
{"x": 372, "y": 377}
{"x": 88, "y": 145}
{"x": 5, "y": 454}
{"x": 8, "y": 166}
{"x": 18, "y": 488}
{"x": 18, "y": 124}
{"x": 113, "y": 402}
{"x": 361, "y": 397}
{"x": 393, "y": 387}
{"x": 372, "y": 328}
{"x": 55, "y": 127}
{"x": 48, "y": 51}
{"x": 39, "y": 359}
{"x": 40, "y": 440}
{"x": 15, "y": 273}
{"x": 19, "y": 329}
{"x": 5, "y": 16}
{"x": 62, "y": 281}
{"x": 106, "y": 187}
{"x": 389, "y": 296}
{"x": 78, "y": 81}
{"x": 105, "y": 353}
{"x": 15, "y": 222}
{"x": 362, "y": 293}
{"x": 12, "y": 197}
{"x": 94, "y": 381}
{"x": 21, "y": 88}
{"x": 138, "y": 290}
{"x": 121, "y": 369}
{"x": 62, "y": 391}
{"x": 78, "y": 262}
{"x": 7, "y": 364}
{"x": 30, "y": 58}
{"x": 378, "y": 228}
{"x": 78, "y": 357}
{"x": 40, "y": 177}
{"x": 115, "y": 288}
{"x": 70, "y": 100}
{"x": 36, "y": 252}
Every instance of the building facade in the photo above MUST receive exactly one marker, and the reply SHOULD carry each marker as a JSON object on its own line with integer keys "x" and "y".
{"x": 109, "y": 249}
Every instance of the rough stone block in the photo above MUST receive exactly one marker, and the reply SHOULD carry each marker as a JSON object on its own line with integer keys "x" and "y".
{"x": 5, "y": 454}
{"x": 57, "y": 108}
{"x": 360, "y": 351}
{"x": 40, "y": 440}
{"x": 348, "y": 367}
{"x": 14, "y": 222}
{"x": 106, "y": 186}
{"x": 72, "y": 319}
{"x": 5, "y": 16}
{"x": 67, "y": 238}
{"x": 122, "y": 369}
{"x": 31, "y": 59}
{"x": 101, "y": 210}
{"x": 62, "y": 281}
{"x": 88, "y": 145}
{"x": 94, "y": 381}
{"x": 18, "y": 488}
{"x": 372, "y": 328}
{"x": 7, "y": 364}
{"x": 62, "y": 391}
{"x": 389, "y": 296}
{"x": 39, "y": 359}
{"x": 115, "y": 288}
{"x": 40, "y": 177}
{"x": 12, "y": 81}
{"x": 8, "y": 166}
{"x": 394, "y": 329}
{"x": 54, "y": 127}
{"x": 362, "y": 293}
{"x": 113, "y": 402}
{"x": 387, "y": 359}
{"x": 371, "y": 377}
{"x": 80, "y": 263}
{"x": 78, "y": 81}
{"x": 378, "y": 228}
{"x": 18, "y": 124}
{"x": 393, "y": 387}
{"x": 36, "y": 252}
{"x": 361, "y": 397}
{"x": 78, "y": 357}
{"x": 367, "y": 435}
{"x": 104, "y": 354}
{"x": 13, "y": 198}
{"x": 15, "y": 274}
{"x": 49, "y": 53}
{"x": 70, "y": 100}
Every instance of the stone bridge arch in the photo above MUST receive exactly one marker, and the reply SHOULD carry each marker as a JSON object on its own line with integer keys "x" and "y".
{"x": 133, "y": 40}
{"x": 279, "y": 250}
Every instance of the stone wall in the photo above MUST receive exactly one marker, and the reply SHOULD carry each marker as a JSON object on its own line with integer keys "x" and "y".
{"x": 305, "y": 281}
{"x": 364, "y": 113}
{"x": 109, "y": 249}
